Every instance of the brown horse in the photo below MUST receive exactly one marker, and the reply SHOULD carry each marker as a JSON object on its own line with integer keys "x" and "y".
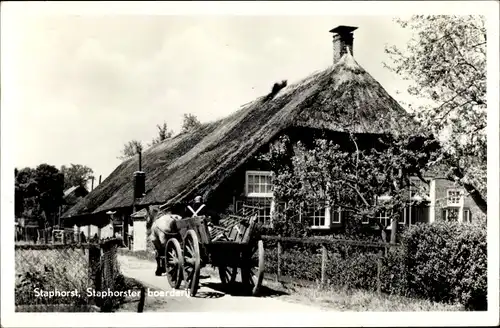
{"x": 160, "y": 224}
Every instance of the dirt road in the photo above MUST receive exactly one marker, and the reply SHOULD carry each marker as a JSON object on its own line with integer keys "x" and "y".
{"x": 210, "y": 296}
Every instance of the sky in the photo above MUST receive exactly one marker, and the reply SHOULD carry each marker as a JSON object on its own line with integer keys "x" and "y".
{"x": 88, "y": 84}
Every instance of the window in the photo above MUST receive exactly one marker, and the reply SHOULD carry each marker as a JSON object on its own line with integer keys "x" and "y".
{"x": 336, "y": 215}
{"x": 258, "y": 184}
{"x": 317, "y": 215}
{"x": 451, "y": 214}
{"x": 406, "y": 215}
{"x": 261, "y": 206}
{"x": 467, "y": 216}
{"x": 453, "y": 197}
{"x": 118, "y": 229}
{"x": 384, "y": 218}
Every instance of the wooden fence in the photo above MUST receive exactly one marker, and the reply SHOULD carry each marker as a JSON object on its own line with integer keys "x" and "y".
{"x": 323, "y": 242}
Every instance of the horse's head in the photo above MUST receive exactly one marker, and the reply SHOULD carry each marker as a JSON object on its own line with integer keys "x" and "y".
{"x": 153, "y": 213}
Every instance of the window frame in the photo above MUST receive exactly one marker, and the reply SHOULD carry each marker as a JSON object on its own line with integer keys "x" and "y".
{"x": 379, "y": 218}
{"x": 248, "y": 201}
{"x": 325, "y": 214}
{"x": 334, "y": 214}
{"x": 451, "y": 208}
{"x": 386, "y": 217}
{"x": 467, "y": 218}
{"x": 459, "y": 197}
{"x": 257, "y": 194}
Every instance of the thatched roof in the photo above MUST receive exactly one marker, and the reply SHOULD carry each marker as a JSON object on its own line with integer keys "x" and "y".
{"x": 344, "y": 96}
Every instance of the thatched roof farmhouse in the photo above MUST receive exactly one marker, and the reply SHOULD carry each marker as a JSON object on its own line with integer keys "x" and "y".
{"x": 342, "y": 97}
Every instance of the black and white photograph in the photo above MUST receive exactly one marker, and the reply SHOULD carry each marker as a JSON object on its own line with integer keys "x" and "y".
{"x": 237, "y": 162}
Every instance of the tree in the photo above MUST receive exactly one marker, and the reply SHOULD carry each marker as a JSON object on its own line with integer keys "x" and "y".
{"x": 76, "y": 175}
{"x": 190, "y": 123}
{"x": 131, "y": 149}
{"x": 353, "y": 180}
{"x": 445, "y": 63}
{"x": 25, "y": 188}
{"x": 163, "y": 134}
{"x": 50, "y": 185}
{"x": 39, "y": 193}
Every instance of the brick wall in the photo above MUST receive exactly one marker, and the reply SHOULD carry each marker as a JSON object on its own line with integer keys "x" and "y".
{"x": 441, "y": 188}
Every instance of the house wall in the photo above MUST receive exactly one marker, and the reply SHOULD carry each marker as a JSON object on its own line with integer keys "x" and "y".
{"x": 441, "y": 188}
{"x": 232, "y": 191}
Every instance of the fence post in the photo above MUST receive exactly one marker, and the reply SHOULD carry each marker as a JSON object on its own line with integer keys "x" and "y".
{"x": 324, "y": 259}
{"x": 140, "y": 306}
{"x": 379, "y": 271}
{"x": 278, "y": 272}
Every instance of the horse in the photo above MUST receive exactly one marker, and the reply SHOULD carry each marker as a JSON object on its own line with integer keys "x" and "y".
{"x": 160, "y": 223}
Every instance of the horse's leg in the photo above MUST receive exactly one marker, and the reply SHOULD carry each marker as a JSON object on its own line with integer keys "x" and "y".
{"x": 157, "y": 245}
{"x": 163, "y": 245}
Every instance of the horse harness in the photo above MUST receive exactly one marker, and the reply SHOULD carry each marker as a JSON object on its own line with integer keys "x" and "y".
{"x": 195, "y": 213}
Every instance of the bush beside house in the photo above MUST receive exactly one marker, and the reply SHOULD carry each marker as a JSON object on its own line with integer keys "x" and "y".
{"x": 442, "y": 262}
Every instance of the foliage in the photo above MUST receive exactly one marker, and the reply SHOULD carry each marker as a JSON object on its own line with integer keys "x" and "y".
{"x": 38, "y": 193}
{"x": 46, "y": 280}
{"x": 354, "y": 271}
{"x": 447, "y": 261}
{"x": 163, "y": 134}
{"x": 76, "y": 175}
{"x": 347, "y": 267}
{"x": 353, "y": 180}
{"x": 130, "y": 149}
{"x": 285, "y": 227}
{"x": 443, "y": 262}
{"x": 445, "y": 62}
{"x": 190, "y": 123}
{"x": 50, "y": 185}
{"x": 393, "y": 276}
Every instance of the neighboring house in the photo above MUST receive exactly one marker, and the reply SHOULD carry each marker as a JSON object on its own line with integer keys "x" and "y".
{"x": 450, "y": 202}
{"x": 72, "y": 195}
{"x": 220, "y": 160}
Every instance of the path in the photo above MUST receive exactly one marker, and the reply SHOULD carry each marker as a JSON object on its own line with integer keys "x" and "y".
{"x": 207, "y": 298}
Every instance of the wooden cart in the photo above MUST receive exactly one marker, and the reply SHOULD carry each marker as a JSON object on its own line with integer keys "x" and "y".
{"x": 197, "y": 243}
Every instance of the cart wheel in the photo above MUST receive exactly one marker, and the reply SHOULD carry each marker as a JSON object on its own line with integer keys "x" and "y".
{"x": 174, "y": 263}
{"x": 191, "y": 262}
{"x": 252, "y": 273}
{"x": 227, "y": 274}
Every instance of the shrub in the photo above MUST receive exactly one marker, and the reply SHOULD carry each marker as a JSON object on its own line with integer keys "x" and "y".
{"x": 393, "y": 273}
{"x": 356, "y": 271}
{"x": 28, "y": 282}
{"x": 447, "y": 262}
{"x": 301, "y": 263}
{"x": 347, "y": 266}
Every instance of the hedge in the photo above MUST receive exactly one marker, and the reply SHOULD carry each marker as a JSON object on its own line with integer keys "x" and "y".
{"x": 447, "y": 262}
{"x": 442, "y": 262}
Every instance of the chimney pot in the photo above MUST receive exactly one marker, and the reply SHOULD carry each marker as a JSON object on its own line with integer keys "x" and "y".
{"x": 342, "y": 39}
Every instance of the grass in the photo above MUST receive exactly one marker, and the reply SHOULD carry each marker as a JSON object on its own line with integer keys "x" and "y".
{"x": 131, "y": 303}
{"x": 142, "y": 255}
{"x": 336, "y": 299}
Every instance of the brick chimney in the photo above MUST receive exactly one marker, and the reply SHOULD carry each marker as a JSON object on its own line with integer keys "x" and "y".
{"x": 342, "y": 39}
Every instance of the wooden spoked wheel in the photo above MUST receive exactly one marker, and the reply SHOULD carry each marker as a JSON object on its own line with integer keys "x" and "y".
{"x": 174, "y": 263}
{"x": 227, "y": 274}
{"x": 191, "y": 251}
{"x": 252, "y": 272}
